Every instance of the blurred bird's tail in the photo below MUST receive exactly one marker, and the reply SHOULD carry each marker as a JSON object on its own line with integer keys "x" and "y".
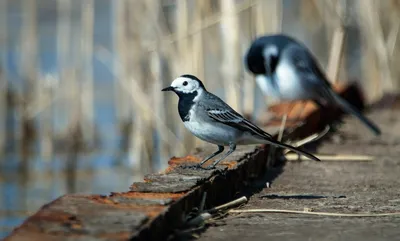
{"x": 352, "y": 110}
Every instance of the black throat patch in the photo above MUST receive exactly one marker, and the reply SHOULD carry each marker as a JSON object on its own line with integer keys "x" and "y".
{"x": 185, "y": 104}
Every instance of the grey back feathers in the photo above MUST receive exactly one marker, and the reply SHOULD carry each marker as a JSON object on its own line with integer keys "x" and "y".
{"x": 218, "y": 110}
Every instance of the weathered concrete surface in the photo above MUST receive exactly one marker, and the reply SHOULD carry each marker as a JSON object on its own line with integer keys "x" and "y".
{"x": 350, "y": 187}
{"x": 155, "y": 207}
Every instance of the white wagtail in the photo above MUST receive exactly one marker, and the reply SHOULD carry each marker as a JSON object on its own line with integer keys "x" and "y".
{"x": 212, "y": 120}
{"x": 286, "y": 69}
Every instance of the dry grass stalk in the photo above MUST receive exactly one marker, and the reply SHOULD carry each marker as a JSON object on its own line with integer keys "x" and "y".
{"x": 3, "y": 74}
{"x": 315, "y": 213}
{"x": 46, "y": 117}
{"x": 374, "y": 29}
{"x": 139, "y": 103}
{"x": 282, "y": 127}
{"x": 119, "y": 62}
{"x": 63, "y": 54}
{"x": 392, "y": 38}
{"x": 185, "y": 59}
{"x": 195, "y": 27}
{"x": 274, "y": 14}
{"x": 137, "y": 150}
{"x": 126, "y": 66}
{"x": 28, "y": 71}
{"x": 68, "y": 76}
{"x": 228, "y": 205}
{"x": 336, "y": 54}
{"x": 87, "y": 54}
{"x": 159, "y": 30}
{"x": 312, "y": 138}
{"x": 156, "y": 62}
{"x": 198, "y": 57}
{"x": 325, "y": 157}
{"x": 29, "y": 46}
{"x": 209, "y": 214}
{"x": 119, "y": 27}
{"x": 246, "y": 81}
{"x": 182, "y": 31}
{"x": 230, "y": 43}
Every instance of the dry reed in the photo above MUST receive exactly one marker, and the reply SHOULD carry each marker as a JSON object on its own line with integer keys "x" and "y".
{"x": 87, "y": 98}
{"x": 155, "y": 41}
{"x": 3, "y": 74}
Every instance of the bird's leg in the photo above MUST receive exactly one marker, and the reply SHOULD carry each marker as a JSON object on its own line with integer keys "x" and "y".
{"x": 232, "y": 148}
{"x": 220, "y": 149}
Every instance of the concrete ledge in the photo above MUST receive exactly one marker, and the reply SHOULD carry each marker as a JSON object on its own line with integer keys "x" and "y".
{"x": 155, "y": 207}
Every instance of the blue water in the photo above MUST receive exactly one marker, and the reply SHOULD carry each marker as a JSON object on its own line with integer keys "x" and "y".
{"x": 23, "y": 193}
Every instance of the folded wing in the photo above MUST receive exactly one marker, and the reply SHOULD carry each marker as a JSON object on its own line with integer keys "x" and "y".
{"x": 234, "y": 119}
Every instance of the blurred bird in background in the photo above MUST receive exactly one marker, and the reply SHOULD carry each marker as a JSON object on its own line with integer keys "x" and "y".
{"x": 285, "y": 69}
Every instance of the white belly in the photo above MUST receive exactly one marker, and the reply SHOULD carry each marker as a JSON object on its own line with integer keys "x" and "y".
{"x": 212, "y": 133}
{"x": 265, "y": 84}
{"x": 288, "y": 85}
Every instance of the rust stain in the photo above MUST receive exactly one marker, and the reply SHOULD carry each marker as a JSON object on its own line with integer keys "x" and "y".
{"x": 229, "y": 164}
{"x": 117, "y": 236}
{"x": 182, "y": 160}
{"x": 149, "y": 210}
{"x": 22, "y": 235}
{"x": 167, "y": 170}
{"x": 101, "y": 199}
{"x": 297, "y": 111}
{"x": 133, "y": 194}
{"x": 53, "y": 216}
{"x": 300, "y": 111}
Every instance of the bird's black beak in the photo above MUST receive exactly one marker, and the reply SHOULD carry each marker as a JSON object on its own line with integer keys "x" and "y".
{"x": 169, "y": 88}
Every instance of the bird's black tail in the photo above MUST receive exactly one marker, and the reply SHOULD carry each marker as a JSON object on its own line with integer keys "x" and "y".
{"x": 353, "y": 111}
{"x": 292, "y": 148}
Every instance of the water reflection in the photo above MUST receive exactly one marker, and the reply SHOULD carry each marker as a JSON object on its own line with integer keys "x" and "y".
{"x": 25, "y": 190}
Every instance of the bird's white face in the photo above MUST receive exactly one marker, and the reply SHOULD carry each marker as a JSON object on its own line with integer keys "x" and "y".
{"x": 269, "y": 50}
{"x": 185, "y": 85}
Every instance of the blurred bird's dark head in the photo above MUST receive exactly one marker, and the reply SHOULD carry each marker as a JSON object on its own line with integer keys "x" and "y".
{"x": 263, "y": 55}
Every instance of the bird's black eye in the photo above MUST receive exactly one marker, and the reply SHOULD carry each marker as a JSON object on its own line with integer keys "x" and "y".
{"x": 185, "y": 83}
